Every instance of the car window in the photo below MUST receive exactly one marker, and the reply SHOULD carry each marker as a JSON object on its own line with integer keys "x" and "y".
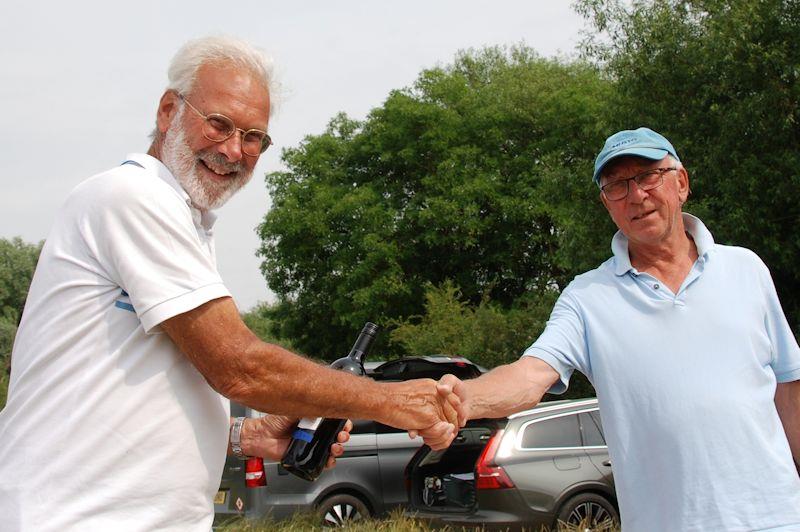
{"x": 363, "y": 426}
{"x": 424, "y": 369}
{"x": 555, "y": 432}
{"x": 380, "y": 428}
{"x": 591, "y": 432}
{"x": 596, "y": 418}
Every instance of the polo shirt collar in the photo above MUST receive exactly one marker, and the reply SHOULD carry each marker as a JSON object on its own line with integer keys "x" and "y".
{"x": 205, "y": 219}
{"x": 700, "y": 234}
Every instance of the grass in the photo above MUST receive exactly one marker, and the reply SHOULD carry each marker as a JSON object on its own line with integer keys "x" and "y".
{"x": 396, "y": 522}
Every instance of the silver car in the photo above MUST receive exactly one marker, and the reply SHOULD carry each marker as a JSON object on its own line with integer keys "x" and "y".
{"x": 368, "y": 478}
{"x": 536, "y": 468}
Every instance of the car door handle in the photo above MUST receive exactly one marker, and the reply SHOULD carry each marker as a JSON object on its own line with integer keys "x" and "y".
{"x": 460, "y": 438}
{"x": 607, "y": 463}
{"x": 235, "y": 468}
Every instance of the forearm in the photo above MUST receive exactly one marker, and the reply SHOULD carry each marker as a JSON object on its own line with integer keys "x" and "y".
{"x": 238, "y": 365}
{"x": 509, "y": 388}
{"x": 271, "y": 379}
{"x": 787, "y": 401}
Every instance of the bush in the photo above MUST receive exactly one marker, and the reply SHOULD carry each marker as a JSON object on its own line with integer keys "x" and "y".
{"x": 486, "y": 334}
{"x": 7, "y": 332}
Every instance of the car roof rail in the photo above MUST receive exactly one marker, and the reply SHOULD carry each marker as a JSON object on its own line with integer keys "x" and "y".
{"x": 555, "y": 405}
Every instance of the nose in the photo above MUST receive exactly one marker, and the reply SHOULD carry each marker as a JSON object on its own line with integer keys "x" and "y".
{"x": 636, "y": 194}
{"x": 231, "y": 147}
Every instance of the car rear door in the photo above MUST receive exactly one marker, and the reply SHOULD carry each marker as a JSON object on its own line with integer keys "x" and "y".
{"x": 549, "y": 458}
{"x": 595, "y": 444}
{"x": 395, "y": 449}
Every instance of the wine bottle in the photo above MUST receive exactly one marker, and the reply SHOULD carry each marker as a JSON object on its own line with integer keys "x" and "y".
{"x": 310, "y": 447}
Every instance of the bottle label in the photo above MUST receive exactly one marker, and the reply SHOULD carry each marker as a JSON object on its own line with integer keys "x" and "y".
{"x": 309, "y": 423}
{"x": 304, "y": 435}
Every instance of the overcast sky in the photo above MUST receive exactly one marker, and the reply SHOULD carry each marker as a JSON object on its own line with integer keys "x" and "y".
{"x": 80, "y": 80}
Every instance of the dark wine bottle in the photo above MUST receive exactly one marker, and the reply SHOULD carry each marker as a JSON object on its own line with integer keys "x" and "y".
{"x": 310, "y": 447}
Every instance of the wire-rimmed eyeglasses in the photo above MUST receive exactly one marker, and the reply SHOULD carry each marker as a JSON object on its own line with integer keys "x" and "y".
{"x": 617, "y": 190}
{"x": 219, "y": 128}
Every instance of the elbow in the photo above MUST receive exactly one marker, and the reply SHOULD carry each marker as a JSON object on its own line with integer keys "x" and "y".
{"x": 237, "y": 376}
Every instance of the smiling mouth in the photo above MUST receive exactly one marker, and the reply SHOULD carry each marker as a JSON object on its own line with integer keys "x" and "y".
{"x": 215, "y": 172}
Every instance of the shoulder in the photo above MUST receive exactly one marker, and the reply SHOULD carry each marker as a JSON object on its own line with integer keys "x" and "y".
{"x": 738, "y": 258}
{"x": 126, "y": 191}
{"x": 590, "y": 285}
{"x": 124, "y": 185}
{"x": 596, "y": 279}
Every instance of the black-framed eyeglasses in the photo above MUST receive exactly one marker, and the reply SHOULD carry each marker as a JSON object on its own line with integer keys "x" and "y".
{"x": 219, "y": 128}
{"x": 648, "y": 180}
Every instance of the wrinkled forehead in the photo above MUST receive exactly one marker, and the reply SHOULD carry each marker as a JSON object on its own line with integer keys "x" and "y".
{"x": 218, "y": 84}
{"x": 627, "y": 166}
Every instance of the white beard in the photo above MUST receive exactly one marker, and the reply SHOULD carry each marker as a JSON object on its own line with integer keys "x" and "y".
{"x": 205, "y": 193}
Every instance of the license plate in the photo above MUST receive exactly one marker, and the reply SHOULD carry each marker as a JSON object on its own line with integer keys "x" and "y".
{"x": 220, "y": 497}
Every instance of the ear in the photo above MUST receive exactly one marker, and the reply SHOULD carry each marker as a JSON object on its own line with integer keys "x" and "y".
{"x": 603, "y": 199}
{"x": 167, "y": 109}
{"x": 683, "y": 185}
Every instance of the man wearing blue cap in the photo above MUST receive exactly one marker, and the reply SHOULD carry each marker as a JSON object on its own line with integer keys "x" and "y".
{"x": 685, "y": 341}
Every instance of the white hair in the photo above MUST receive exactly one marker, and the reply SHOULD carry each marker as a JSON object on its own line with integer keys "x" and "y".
{"x": 191, "y": 56}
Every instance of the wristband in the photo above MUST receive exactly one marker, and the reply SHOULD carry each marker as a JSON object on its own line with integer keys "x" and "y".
{"x": 236, "y": 439}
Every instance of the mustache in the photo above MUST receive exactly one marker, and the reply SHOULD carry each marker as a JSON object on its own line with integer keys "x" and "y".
{"x": 221, "y": 162}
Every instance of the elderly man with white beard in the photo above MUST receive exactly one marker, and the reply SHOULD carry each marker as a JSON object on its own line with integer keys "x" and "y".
{"x": 130, "y": 346}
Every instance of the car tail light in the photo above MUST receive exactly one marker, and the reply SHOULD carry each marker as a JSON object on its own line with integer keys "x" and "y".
{"x": 254, "y": 476}
{"x": 488, "y": 475}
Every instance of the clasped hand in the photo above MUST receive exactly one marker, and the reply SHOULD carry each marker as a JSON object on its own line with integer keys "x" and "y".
{"x": 452, "y": 395}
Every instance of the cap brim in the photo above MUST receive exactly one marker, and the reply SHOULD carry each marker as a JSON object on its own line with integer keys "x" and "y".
{"x": 648, "y": 153}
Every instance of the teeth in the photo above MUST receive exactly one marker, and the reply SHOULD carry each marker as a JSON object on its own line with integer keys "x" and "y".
{"x": 215, "y": 170}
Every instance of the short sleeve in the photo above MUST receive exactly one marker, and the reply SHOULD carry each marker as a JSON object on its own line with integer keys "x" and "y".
{"x": 785, "y": 351}
{"x": 563, "y": 343}
{"x": 146, "y": 242}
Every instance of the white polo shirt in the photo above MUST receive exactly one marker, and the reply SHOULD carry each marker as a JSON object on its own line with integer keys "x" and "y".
{"x": 686, "y": 383}
{"x": 108, "y": 426}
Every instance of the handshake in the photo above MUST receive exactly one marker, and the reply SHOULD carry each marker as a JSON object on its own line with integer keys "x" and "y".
{"x": 427, "y": 408}
{"x": 433, "y": 410}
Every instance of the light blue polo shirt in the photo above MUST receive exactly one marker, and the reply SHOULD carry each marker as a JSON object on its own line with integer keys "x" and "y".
{"x": 686, "y": 385}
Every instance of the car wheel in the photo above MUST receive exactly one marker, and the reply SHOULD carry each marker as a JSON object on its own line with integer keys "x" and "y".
{"x": 588, "y": 512}
{"x": 339, "y": 510}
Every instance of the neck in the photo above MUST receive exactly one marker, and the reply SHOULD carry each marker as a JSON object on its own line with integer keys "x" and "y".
{"x": 155, "y": 150}
{"x": 669, "y": 260}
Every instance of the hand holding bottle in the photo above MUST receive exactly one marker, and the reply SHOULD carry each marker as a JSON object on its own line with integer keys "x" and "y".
{"x": 269, "y": 436}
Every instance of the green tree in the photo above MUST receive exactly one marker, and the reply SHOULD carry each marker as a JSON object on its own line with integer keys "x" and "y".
{"x": 486, "y": 333}
{"x": 448, "y": 179}
{"x": 720, "y": 79}
{"x": 259, "y": 321}
{"x": 17, "y": 263}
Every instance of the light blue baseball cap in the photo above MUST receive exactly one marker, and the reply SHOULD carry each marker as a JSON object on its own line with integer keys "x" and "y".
{"x": 642, "y": 142}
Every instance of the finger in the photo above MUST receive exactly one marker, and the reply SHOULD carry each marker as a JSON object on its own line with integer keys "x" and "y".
{"x": 458, "y": 389}
{"x": 460, "y": 409}
{"x": 343, "y": 436}
{"x": 439, "y": 435}
{"x": 413, "y": 433}
{"x": 337, "y": 449}
{"x": 331, "y": 463}
{"x": 450, "y": 413}
{"x": 442, "y": 441}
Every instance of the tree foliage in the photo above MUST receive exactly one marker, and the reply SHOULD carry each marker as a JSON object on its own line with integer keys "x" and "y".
{"x": 259, "y": 321}
{"x": 486, "y": 333}
{"x": 449, "y": 179}
{"x": 17, "y": 263}
{"x": 720, "y": 79}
